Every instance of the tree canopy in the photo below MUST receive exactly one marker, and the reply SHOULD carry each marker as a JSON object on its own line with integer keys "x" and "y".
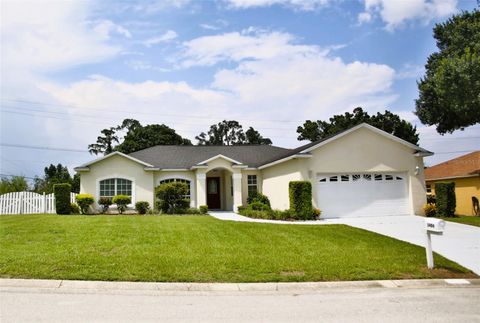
{"x": 137, "y": 137}
{"x": 230, "y": 133}
{"x": 55, "y": 174}
{"x": 449, "y": 93}
{"x": 387, "y": 121}
{"x": 13, "y": 184}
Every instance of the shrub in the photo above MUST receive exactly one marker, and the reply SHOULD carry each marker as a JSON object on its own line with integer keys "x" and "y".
{"x": 172, "y": 197}
{"x": 258, "y": 206}
{"x": 121, "y": 201}
{"x": 300, "y": 193}
{"x": 430, "y": 210}
{"x": 74, "y": 209}
{"x": 258, "y": 197}
{"x": 316, "y": 213}
{"x": 105, "y": 202}
{"x": 203, "y": 209}
{"x": 192, "y": 210}
{"x": 62, "y": 198}
{"x": 142, "y": 207}
{"x": 445, "y": 196}
{"x": 431, "y": 199}
{"x": 84, "y": 201}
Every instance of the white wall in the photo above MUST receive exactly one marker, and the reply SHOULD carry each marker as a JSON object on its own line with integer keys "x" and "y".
{"x": 118, "y": 167}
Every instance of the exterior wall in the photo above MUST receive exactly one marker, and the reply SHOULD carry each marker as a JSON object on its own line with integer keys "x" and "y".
{"x": 465, "y": 188}
{"x": 275, "y": 181}
{"x": 118, "y": 167}
{"x": 360, "y": 151}
{"x": 366, "y": 151}
{"x": 188, "y": 175}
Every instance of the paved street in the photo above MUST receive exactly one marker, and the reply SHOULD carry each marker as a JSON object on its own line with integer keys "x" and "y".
{"x": 408, "y": 304}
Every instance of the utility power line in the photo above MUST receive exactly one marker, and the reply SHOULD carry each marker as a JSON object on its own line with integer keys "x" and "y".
{"x": 42, "y": 147}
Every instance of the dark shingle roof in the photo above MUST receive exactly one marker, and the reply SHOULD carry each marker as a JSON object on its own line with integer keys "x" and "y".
{"x": 187, "y": 156}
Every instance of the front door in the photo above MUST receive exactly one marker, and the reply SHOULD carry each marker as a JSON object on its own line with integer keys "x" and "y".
{"x": 213, "y": 192}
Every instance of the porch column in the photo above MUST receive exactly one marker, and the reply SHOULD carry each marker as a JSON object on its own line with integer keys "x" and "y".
{"x": 201, "y": 189}
{"x": 237, "y": 191}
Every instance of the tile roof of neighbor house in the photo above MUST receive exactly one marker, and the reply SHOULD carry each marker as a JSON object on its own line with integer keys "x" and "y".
{"x": 463, "y": 166}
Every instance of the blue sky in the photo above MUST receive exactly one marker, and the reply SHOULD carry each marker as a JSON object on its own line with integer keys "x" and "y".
{"x": 70, "y": 69}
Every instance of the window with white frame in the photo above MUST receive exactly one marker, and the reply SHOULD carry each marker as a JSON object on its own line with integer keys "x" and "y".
{"x": 180, "y": 180}
{"x": 115, "y": 186}
{"x": 252, "y": 184}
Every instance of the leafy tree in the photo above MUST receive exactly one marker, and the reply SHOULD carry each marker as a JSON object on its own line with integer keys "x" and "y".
{"x": 255, "y": 138}
{"x": 141, "y": 137}
{"x": 13, "y": 184}
{"x": 104, "y": 144}
{"x": 56, "y": 175}
{"x": 230, "y": 133}
{"x": 136, "y": 137}
{"x": 388, "y": 122}
{"x": 449, "y": 93}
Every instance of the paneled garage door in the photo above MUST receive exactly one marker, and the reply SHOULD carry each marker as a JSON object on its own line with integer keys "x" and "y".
{"x": 362, "y": 194}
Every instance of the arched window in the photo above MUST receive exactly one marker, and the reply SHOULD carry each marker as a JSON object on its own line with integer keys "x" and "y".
{"x": 181, "y": 180}
{"x": 115, "y": 186}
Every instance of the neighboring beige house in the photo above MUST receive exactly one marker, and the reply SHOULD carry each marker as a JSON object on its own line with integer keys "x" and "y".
{"x": 362, "y": 171}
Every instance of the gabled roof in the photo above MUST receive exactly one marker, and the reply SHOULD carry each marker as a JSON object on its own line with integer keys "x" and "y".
{"x": 186, "y": 157}
{"x": 85, "y": 167}
{"x": 252, "y": 156}
{"x": 464, "y": 166}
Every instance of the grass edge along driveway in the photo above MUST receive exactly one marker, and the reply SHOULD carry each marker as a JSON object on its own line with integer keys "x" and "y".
{"x": 463, "y": 219}
{"x": 203, "y": 249}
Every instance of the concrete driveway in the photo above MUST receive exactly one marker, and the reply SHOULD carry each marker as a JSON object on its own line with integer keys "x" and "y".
{"x": 460, "y": 243}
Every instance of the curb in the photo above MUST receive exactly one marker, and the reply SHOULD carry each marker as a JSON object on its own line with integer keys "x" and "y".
{"x": 232, "y": 287}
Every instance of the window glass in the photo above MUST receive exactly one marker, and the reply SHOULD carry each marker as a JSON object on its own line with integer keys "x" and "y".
{"x": 367, "y": 177}
{"x": 388, "y": 177}
{"x": 252, "y": 184}
{"x": 334, "y": 178}
{"x": 345, "y": 178}
{"x": 429, "y": 188}
{"x": 115, "y": 186}
{"x": 378, "y": 177}
{"x": 355, "y": 177}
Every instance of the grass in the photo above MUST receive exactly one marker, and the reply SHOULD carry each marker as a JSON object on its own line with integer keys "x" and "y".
{"x": 203, "y": 249}
{"x": 464, "y": 219}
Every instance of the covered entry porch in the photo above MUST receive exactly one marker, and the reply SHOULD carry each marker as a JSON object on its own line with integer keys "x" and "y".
{"x": 219, "y": 185}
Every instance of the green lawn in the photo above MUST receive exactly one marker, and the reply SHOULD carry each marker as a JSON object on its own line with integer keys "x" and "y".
{"x": 463, "y": 219}
{"x": 203, "y": 249}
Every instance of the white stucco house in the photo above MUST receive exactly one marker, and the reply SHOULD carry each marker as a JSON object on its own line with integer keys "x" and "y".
{"x": 362, "y": 171}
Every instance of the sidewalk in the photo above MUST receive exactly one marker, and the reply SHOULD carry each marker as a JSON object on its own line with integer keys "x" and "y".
{"x": 95, "y": 286}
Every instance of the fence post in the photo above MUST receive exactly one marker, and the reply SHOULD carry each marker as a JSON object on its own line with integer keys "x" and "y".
{"x": 44, "y": 203}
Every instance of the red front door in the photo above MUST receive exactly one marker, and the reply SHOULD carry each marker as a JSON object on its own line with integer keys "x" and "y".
{"x": 213, "y": 192}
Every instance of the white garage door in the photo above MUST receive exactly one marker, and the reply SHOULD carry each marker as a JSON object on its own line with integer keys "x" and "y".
{"x": 362, "y": 194}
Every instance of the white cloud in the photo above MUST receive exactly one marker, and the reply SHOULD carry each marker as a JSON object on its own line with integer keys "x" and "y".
{"x": 139, "y": 65}
{"x": 396, "y": 13}
{"x": 409, "y": 70}
{"x": 237, "y": 46}
{"x": 105, "y": 28}
{"x": 305, "y": 5}
{"x": 273, "y": 79}
{"x": 167, "y": 36}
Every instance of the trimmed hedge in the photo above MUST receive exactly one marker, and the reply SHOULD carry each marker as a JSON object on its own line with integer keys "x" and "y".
{"x": 121, "y": 201}
{"x": 62, "y": 198}
{"x": 203, "y": 209}
{"x": 142, "y": 207}
{"x": 171, "y": 198}
{"x": 84, "y": 201}
{"x": 300, "y": 193}
{"x": 258, "y": 197}
{"x": 105, "y": 202}
{"x": 445, "y": 198}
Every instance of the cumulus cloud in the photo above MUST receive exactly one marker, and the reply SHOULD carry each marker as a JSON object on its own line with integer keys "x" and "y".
{"x": 105, "y": 28}
{"x": 305, "y": 5}
{"x": 396, "y": 13}
{"x": 165, "y": 37}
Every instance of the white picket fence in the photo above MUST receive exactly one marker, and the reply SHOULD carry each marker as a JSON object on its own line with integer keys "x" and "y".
{"x": 29, "y": 203}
